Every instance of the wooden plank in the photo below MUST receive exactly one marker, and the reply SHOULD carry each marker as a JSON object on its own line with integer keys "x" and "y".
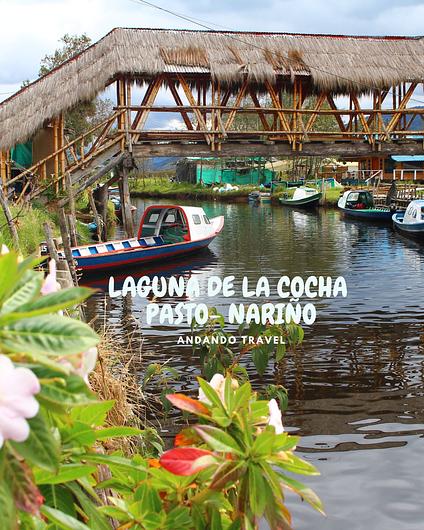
{"x": 179, "y": 102}
{"x": 276, "y": 102}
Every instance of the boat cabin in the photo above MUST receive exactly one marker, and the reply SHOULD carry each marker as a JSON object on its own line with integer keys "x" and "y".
{"x": 303, "y": 193}
{"x": 356, "y": 200}
{"x": 414, "y": 213}
{"x": 174, "y": 224}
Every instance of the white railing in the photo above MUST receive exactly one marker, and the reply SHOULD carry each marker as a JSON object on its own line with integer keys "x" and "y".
{"x": 408, "y": 174}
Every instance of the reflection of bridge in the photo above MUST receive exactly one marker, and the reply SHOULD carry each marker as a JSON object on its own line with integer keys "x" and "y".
{"x": 234, "y": 94}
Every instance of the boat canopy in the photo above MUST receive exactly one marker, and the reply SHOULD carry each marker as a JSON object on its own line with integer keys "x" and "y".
{"x": 415, "y": 212}
{"x": 174, "y": 223}
{"x": 304, "y": 192}
{"x": 357, "y": 200}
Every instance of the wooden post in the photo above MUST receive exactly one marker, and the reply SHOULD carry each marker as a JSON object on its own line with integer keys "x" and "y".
{"x": 125, "y": 202}
{"x": 50, "y": 242}
{"x": 63, "y": 225}
{"x": 3, "y": 172}
{"x": 103, "y": 200}
{"x": 72, "y": 211}
{"x": 97, "y": 217}
{"x": 9, "y": 219}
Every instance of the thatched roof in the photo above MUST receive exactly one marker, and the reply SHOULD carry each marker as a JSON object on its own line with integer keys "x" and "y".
{"x": 333, "y": 63}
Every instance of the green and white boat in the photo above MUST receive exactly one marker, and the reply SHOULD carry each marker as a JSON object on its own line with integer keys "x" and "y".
{"x": 303, "y": 197}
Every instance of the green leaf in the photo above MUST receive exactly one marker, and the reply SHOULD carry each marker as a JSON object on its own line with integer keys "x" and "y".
{"x": 114, "y": 432}
{"x": 263, "y": 444}
{"x": 93, "y": 414}
{"x": 79, "y": 434}
{"x": 280, "y": 352}
{"x": 7, "y": 507}
{"x": 40, "y": 449}
{"x": 66, "y": 473}
{"x": 297, "y": 465}
{"x": 218, "y": 439}
{"x": 96, "y": 520}
{"x": 26, "y": 290}
{"x": 242, "y": 396}
{"x": 257, "y": 496}
{"x": 57, "y": 496}
{"x": 306, "y": 493}
{"x": 51, "y": 303}
{"x": 8, "y": 274}
{"x": 63, "y": 520}
{"x": 47, "y": 334}
{"x": 260, "y": 359}
{"x": 57, "y": 397}
{"x": 210, "y": 394}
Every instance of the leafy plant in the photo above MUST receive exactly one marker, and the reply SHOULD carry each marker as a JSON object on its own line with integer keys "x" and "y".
{"x": 227, "y": 471}
{"x": 257, "y": 340}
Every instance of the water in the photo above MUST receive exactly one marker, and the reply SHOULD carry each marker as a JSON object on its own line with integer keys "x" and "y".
{"x": 356, "y": 386}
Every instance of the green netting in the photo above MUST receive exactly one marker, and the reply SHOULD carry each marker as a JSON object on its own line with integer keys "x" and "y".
{"x": 217, "y": 175}
{"x": 22, "y": 154}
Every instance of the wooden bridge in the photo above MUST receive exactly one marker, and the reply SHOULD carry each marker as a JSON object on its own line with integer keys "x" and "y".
{"x": 244, "y": 94}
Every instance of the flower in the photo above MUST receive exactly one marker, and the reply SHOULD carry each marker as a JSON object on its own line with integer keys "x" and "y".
{"x": 275, "y": 416}
{"x": 218, "y": 384}
{"x": 82, "y": 364}
{"x": 4, "y": 250}
{"x": 50, "y": 284}
{"x": 17, "y": 389}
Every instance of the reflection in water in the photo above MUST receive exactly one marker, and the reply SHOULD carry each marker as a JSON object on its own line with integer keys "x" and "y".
{"x": 356, "y": 385}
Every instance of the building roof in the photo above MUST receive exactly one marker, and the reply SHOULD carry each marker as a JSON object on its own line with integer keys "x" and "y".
{"x": 336, "y": 63}
{"x": 408, "y": 158}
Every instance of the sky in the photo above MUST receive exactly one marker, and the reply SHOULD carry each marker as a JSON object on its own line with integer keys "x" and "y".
{"x": 31, "y": 29}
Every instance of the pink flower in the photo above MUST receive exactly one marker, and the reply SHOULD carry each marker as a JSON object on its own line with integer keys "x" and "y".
{"x": 275, "y": 416}
{"x": 50, "y": 284}
{"x": 17, "y": 402}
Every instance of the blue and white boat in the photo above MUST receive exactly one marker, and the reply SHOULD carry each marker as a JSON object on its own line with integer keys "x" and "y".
{"x": 411, "y": 222}
{"x": 165, "y": 232}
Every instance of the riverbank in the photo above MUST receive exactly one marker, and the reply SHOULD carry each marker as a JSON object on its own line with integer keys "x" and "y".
{"x": 161, "y": 187}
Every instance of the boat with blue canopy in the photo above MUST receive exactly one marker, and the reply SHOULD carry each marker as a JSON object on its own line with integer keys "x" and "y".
{"x": 165, "y": 231}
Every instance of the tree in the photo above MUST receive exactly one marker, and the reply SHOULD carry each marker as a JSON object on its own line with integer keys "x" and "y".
{"x": 83, "y": 116}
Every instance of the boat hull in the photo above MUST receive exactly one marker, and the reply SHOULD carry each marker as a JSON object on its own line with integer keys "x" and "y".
{"x": 133, "y": 256}
{"x": 307, "y": 202}
{"x": 369, "y": 214}
{"x": 413, "y": 230}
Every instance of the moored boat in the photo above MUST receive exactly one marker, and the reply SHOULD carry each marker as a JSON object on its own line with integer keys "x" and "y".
{"x": 259, "y": 196}
{"x": 359, "y": 204}
{"x": 411, "y": 222}
{"x": 303, "y": 197}
{"x": 165, "y": 231}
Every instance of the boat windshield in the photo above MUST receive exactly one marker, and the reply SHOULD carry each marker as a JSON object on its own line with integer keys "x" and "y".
{"x": 169, "y": 223}
{"x": 360, "y": 200}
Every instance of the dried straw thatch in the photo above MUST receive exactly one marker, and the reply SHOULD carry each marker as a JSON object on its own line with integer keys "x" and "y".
{"x": 334, "y": 63}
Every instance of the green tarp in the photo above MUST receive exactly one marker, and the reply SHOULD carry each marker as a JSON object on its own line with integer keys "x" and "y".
{"x": 22, "y": 155}
{"x": 217, "y": 175}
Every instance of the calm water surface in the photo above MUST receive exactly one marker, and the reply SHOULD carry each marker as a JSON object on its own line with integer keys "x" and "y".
{"x": 356, "y": 386}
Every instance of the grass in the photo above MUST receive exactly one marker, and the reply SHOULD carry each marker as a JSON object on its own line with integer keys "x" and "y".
{"x": 29, "y": 221}
{"x": 162, "y": 187}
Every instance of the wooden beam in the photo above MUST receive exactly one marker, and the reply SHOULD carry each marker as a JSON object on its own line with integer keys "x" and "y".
{"x": 192, "y": 101}
{"x": 239, "y": 99}
{"x": 402, "y": 105}
{"x": 179, "y": 102}
{"x": 333, "y": 106}
{"x": 9, "y": 219}
{"x": 276, "y": 102}
{"x": 256, "y": 148}
{"x": 259, "y": 110}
